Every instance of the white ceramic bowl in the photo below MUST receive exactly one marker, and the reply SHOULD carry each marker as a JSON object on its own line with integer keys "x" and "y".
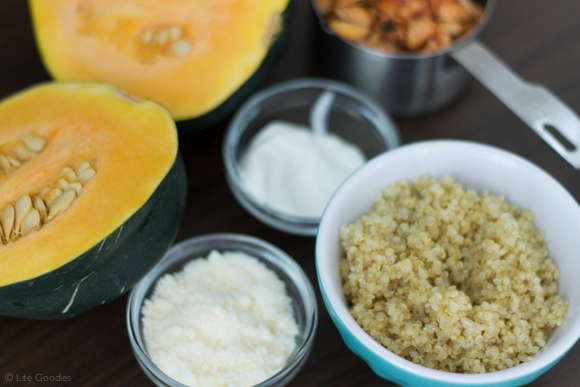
{"x": 478, "y": 167}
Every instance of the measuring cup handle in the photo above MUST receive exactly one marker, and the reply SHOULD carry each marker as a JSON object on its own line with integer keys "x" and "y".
{"x": 538, "y": 107}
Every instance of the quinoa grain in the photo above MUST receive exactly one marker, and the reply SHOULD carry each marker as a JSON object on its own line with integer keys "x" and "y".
{"x": 450, "y": 279}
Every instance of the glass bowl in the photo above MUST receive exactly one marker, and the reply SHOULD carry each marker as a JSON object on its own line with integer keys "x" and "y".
{"x": 298, "y": 287}
{"x": 353, "y": 116}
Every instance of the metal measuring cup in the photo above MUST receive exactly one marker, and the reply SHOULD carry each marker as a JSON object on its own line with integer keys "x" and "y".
{"x": 411, "y": 84}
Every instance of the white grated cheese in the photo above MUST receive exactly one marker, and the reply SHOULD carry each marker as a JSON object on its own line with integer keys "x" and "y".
{"x": 222, "y": 321}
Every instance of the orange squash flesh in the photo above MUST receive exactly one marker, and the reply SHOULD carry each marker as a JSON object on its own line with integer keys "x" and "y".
{"x": 111, "y": 41}
{"x": 132, "y": 144}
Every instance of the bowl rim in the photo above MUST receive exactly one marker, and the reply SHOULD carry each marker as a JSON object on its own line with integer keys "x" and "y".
{"x": 382, "y": 122}
{"x": 275, "y": 256}
{"x": 338, "y": 309}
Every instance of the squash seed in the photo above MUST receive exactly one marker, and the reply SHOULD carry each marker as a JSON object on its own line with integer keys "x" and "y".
{"x": 34, "y": 143}
{"x": 21, "y": 208}
{"x": 13, "y": 162}
{"x": 181, "y": 47}
{"x": 23, "y": 153}
{"x": 51, "y": 196}
{"x": 61, "y": 203}
{"x": 76, "y": 186}
{"x": 7, "y": 221}
{"x": 147, "y": 37}
{"x": 62, "y": 183}
{"x": 68, "y": 174}
{"x": 30, "y": 222}
{"x": 174, "y": 33}
{"x": 82, "y": 166}
{"x": 86, "y": 175}
{"x": 39, "y": 204}
{"x": 44, "y": 192}
{"x": 40, "y": 207}
{"x": 4, "y": 163}
{"x": 162, "y": 37}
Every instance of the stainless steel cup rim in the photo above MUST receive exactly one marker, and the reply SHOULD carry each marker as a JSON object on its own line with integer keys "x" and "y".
{"x": 470, "y": 36}
{"x": 546, "y": 114}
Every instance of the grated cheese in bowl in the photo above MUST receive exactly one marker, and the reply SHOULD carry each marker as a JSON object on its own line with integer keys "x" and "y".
{"x": 222, "y": 321}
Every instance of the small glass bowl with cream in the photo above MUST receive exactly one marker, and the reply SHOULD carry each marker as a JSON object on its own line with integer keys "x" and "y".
{"x": 290, "y": 146}
{"x": 199, "y": 310}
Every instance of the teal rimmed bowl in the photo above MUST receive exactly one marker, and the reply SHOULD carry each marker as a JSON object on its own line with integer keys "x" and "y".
{"x": 475, "y": 166}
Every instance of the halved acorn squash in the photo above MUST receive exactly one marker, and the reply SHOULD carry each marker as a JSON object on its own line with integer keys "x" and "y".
{"x": 190, "y": 56}
{"x": 92, "y": 192}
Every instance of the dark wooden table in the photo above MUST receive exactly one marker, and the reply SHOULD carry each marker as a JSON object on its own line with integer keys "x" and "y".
{"x": 540, "y": 39}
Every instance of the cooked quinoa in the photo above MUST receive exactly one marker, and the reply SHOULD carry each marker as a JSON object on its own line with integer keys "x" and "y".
{"x": 450, "y": 279}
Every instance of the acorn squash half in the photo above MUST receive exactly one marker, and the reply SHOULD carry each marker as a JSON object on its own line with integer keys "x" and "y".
{"x": 92, "y": 192}
{"x": 190, "y": 56}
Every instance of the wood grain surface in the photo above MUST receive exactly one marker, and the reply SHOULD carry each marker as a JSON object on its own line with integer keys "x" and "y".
{"x": 540, "y": 39}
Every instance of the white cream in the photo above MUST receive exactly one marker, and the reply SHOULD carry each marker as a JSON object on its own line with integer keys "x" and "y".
{"x": 295, "y": 171}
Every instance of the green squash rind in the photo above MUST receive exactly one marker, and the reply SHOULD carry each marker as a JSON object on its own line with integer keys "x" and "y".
{"x": 110, "y": 268}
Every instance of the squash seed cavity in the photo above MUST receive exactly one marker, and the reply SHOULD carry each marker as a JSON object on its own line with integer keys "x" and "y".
{"x": 119, "y": 28}
{"x": 153, "y": 43}
{"x": 32, "y": 212}
{"x": 15, "y": 153}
